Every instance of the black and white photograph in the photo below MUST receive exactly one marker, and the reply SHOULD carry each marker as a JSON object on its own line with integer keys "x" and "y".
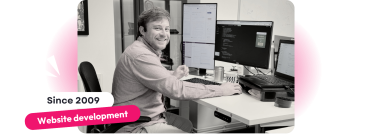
{"x": 192, "y": 66}
{"x": 82, "y": 21}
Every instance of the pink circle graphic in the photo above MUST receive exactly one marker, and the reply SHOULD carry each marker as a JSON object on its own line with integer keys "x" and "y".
{"x": 308, "y": 69}
{"x": 64, "y": 48}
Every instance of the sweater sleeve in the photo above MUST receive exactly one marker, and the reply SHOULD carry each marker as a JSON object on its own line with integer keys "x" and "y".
{"x": 149, "y": 71}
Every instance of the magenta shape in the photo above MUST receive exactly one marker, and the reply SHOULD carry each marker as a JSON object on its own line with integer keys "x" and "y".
{"x": 64, "y": 49}
{"x": 307, "y": 70}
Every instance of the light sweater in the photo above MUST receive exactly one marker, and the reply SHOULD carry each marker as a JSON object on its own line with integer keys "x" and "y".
{"x": 140, "y": 79}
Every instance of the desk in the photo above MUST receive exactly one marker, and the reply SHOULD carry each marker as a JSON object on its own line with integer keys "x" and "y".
{"x": 247, "y": 109}
{"x": 281, "y": 130}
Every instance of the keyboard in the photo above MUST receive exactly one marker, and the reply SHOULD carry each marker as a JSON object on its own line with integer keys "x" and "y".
{"x": 273, "y": 80}
{"x": 205, "y": 82}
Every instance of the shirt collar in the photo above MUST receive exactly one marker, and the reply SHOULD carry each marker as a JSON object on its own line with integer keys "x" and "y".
{"x": 158, "y": 53}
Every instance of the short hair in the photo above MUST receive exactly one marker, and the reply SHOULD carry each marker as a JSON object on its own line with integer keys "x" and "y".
{"x": 150, "y": 16}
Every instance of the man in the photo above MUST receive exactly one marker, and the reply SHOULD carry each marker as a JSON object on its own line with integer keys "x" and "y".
{"x": 141, "y": 80}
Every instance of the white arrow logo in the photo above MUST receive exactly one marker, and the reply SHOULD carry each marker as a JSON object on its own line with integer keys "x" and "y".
{"x": 42, "y": 71}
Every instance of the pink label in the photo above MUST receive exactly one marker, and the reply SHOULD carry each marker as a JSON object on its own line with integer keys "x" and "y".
{"x": 82, "y": 117}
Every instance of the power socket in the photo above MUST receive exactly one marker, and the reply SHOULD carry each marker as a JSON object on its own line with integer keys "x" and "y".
{"x": 222, "y": 116}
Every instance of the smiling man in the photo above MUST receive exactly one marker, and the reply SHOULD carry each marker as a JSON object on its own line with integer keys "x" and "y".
{"x": 156, "y": 33}
{"x": 141, "y": 80}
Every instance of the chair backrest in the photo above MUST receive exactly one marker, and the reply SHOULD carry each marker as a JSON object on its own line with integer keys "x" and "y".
{"x": 89, "y": 77}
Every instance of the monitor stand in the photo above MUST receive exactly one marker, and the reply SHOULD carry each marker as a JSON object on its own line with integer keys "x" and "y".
{"x": 198, "y": 72}
{"x": 202, "y": 72}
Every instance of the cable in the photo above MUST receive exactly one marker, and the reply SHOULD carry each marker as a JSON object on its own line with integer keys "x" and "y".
{"x": 261, "y": 71}
{"x": 288, "y": 87}
{"x": 249, "y": 71}
{"x": 258, "y": 70}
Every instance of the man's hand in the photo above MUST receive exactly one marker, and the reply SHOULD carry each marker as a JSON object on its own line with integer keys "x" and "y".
{"x": 181, "y": 71}
{"x": 231, "y": 88}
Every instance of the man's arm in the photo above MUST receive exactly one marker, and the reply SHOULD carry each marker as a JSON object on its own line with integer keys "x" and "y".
{"x": 149, "y": 71}
{"x": 181, "y": 71}
{"x": 171, "y": 72}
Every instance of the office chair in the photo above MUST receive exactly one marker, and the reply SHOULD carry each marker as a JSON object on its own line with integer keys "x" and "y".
{"x": 91, "y": 84}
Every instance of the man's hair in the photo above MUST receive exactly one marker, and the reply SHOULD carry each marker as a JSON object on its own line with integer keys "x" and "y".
{"x": 150, "y": 16}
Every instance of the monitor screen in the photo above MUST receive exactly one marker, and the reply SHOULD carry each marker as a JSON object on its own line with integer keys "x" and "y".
{"x": 244, "y": 42}
{"x": 286, "y": 59}
{"x": 198, "y": 38}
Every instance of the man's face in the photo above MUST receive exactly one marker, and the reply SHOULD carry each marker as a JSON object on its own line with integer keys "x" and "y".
{"x": 157, "y": 34}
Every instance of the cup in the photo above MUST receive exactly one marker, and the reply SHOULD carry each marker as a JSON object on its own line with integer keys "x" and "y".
{"x": 218, "y": 74}
{"x": 231, "y": 77}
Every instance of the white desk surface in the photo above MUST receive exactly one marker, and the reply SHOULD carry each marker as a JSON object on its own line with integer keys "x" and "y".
{"x": 247, "y": 109}
{"x": 281, "y": 130}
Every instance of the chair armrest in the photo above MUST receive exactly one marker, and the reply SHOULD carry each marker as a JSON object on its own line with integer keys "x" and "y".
{"x": 115, "y": 127}
{"x": 143, "y": 119}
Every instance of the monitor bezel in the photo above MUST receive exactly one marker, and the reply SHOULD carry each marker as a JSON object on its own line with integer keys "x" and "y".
{"x": 278, "y": 38}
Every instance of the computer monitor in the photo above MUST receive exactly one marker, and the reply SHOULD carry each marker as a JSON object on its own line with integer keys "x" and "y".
{"x": 244, "y": 42}
{"x": 286, "y": 58}
{"x": 277, "y": 39}
{"x": 198, "y": 38}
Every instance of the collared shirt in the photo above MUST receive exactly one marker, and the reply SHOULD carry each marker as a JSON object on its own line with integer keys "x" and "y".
{"x": 141, "y": 80}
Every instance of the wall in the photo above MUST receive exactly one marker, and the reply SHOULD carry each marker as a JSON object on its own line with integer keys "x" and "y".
{"x": 226, "y": 9}
{"x": 279, "y": 11}
{"x": 99, "y": 46}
